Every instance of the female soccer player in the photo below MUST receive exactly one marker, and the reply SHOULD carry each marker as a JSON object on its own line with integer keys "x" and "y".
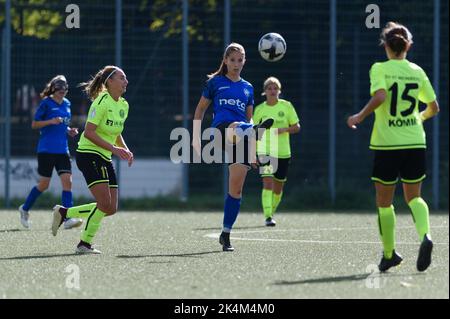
{"x": 232, "y": 98}
{"x": 52, "y": 118}
{"x": 398, "y": 139}
{"x": 274, "y": 151}
{"x": 101, "y": 138}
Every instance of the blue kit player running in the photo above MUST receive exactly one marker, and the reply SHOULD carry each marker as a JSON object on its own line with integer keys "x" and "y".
{"x": 232, "y": 99}
{"x": 53, "y": 118}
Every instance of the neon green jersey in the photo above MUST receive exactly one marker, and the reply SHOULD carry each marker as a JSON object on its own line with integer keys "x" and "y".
{"x": 284, "y": 115}
{"x": 109, "y": 116}
{"x": 397, "y": 121}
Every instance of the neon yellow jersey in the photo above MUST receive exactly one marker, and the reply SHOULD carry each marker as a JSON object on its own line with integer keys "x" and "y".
{"x": 109, "y": 116}
{"x": 397, "y": 121}
{"x": 284, "y": 115}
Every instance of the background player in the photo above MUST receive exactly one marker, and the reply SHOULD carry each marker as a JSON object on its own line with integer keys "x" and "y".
{"x": 101, "y": 138}
{"x": 52, "y": 118}
{"x": 274, "y": 146}
{"x": 398, "y": 139}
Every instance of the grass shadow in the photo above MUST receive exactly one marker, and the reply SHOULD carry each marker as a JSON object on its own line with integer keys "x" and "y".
{"x": 12, "y": 230}
{"x": 37, "y": 256}
{"x": 357, "y": 277}
{"x": 189, "y": 255}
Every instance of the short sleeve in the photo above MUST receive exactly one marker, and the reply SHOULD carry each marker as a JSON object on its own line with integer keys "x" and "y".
{"x": 41, "y": 111}
{"x": 292, "y": 117}
{"x": 97, "y": 111}
{"x": 426, "y": 93}
{"x": 257, "y": 115}
{"x": 208, "y": 90}
{"x": 251, "y": 99}
{"x": 377, "y": 79}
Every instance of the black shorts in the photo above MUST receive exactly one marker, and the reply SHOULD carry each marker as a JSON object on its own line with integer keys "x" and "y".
{"x": 96, "y": 170}
{"x": 274, "y": 167}
{"x": 237, "y": 153}
{"x": 48, "y": 161}
{"x": 409, "y": 164}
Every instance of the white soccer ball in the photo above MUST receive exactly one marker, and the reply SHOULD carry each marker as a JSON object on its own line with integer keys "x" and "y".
{"x": 272, "y": 47}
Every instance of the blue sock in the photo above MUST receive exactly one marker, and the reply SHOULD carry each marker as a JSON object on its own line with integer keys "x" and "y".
{"x": 32, "y": 196}
{"x": 67, "y": 199}
{"x": 231, "y": 211}
{"x": 242, "y": 127}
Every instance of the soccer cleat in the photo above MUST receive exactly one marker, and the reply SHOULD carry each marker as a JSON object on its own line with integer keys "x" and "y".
{"x": 57, "y": 219}
{"x": 84, "y": 250}
{"x": 385, "y": 263}
{"x": 24, "y": 217}
{"x": 263, "y": 126}
{"x": 224, "y": 240}
{"x": 72, "y": 223}
{"x": 270, "y": 222}
{"x": 424, "y": 258}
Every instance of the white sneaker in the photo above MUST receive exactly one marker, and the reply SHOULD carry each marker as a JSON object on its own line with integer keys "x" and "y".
{"x": 72, "y": 223}
{"x": 57, "y": 219}
{"x": 86, "y": 250}
{"x": 24, "y": 217}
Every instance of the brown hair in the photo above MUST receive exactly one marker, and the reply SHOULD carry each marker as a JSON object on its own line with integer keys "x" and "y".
{"x": 396, "y": 36}
{"x": 55, "y": 84}
{"x": 232, "y": 47}
{"x": 98, "y": 83}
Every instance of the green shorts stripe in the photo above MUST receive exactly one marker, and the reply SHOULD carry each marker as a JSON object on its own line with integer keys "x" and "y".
{"x": 384, "y": 182}
{"x": 413, "y": 181}
{"x": 98, "y": 182}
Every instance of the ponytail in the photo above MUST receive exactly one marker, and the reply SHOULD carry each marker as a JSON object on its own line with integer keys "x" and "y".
{"x": 97, "y": 84}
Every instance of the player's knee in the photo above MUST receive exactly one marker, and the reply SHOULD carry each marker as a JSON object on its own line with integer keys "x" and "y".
{"x": 107, "y": 207}
{"x": 43, "y": 186}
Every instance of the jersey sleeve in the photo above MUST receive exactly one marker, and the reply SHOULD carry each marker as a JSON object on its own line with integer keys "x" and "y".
{"x": 41, "y": 111}
{"x": 292, "y": 116}
{"x": 208, "y": 90}
{"x": 251, "y": 99}
{"x": 426, "y": 93}
{"x": 377, "y": 80}
{"x": 257, "y": 115}
{"x": 97, "y": 111}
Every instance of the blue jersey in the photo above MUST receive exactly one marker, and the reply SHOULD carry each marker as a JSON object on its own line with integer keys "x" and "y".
{"x": 230, "y": 99}
{"x": 53, "y": 137}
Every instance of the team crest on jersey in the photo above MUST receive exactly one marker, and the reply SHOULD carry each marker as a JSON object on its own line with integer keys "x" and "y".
{"x": 281, "y": 114}
{"x": 92, "y": 115}
{"x": 122, "y": 113}
{"x": 246, "y": 92}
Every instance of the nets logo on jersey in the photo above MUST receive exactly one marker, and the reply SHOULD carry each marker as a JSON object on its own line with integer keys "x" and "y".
{"x": 238, "y": 103}
{"x": 122, "y": 113}
{"x": 281, "y": 114}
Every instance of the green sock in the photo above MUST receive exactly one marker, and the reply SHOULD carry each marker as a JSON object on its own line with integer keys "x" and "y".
{"x": 276, "y": 199}
{"x": 420, "y": 213}
{"x": 92, "y": 225}
{"x": 80, "y": 211}
{"x": 266, "y": 198}
{"x": 386, "y": 223}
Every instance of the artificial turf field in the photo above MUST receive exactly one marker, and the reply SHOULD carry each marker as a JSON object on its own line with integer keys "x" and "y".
{"x": 177, "y": 255}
